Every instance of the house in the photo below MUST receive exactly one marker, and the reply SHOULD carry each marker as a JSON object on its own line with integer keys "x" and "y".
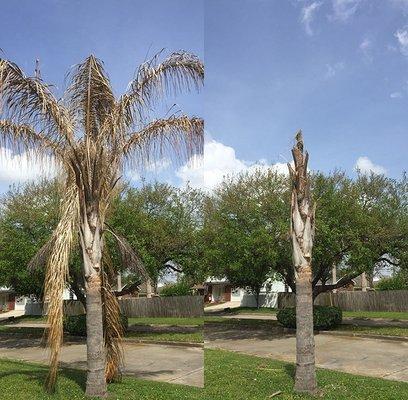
{"x": 7, "y": 299}
{"x": 220, "y": 290}
{"x": 10, "y": 301}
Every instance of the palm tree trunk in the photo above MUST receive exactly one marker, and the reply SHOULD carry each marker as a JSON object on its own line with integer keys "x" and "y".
{"x": 95, "y": 382}
{"x": 91, "y": 241}
{"x": 302, "y": 232}
{"x": 305, "y": 380}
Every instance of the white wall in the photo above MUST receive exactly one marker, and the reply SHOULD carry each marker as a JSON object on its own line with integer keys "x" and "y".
{"x": 265, "y": 300}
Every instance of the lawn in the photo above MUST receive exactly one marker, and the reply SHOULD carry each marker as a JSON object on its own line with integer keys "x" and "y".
{"x": 166, "y": 321}
{"x": 351, "y": 314}
{"x": 376, "y": 314}
{"x": 241, "y": 322}
{"x": 229, "y": 376}
{"x": 374, "y": 330}
{"x": 194, "y": 337}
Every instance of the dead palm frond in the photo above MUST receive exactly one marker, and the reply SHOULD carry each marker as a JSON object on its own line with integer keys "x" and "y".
{"x": 92, "y": 136}
{"x": 56, "y": 277}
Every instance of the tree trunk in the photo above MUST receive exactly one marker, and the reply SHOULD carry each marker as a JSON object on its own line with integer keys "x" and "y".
{"x": 305, "y": 380}
{"x": 149, "y": 289}
{"x": 96, "y": 357}
{"x": 91, "y": 242}
{"x": 257, "y": 298}
{"x": 302, "y": 232}
{"x": 364, "y": 282}
{"x": 334, "y": 276}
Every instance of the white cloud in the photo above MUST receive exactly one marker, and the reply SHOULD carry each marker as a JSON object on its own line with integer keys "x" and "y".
{"x": 396, "y": 95}
{"x": 402, "y": 37}
{"x": 333, "y": 69}
{"x": 344, "y": 9}
{"x": 23, "y": 167}
{"x": 308, "y": 14}
{"x": 218, "y": 162}
{"x": 366, "y": 166}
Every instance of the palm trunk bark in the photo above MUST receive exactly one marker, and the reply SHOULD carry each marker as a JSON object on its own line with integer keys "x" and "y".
{"x": 91, "y": 241}
{"x": 305, "y": 379}
{"x": 302, "y": 233}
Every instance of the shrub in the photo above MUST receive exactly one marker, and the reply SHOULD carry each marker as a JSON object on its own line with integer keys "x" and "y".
{"x": 397, "y": 282}
{"x": 323, "y": 317}
{"x": 176, "y": 289}
{"x": 76, "y": 324}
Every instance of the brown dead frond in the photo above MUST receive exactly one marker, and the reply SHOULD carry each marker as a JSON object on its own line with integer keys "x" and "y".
{"x": 28, "y": 101}
{"x": 129, "y": 257}
{"x": 56, "y": 278}
{"x": 89, "y": 97}
{"x": 25, "y": 138}
{"x": 182, "y": 135}
{"x": 113, "y": 332}
{"x": 154, "y": 79}
{"x": 41, "y": 258}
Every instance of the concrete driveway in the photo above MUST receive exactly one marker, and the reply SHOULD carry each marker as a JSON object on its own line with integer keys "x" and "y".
{"x": 361, "y": 356}
{"x": 174, "y": 364}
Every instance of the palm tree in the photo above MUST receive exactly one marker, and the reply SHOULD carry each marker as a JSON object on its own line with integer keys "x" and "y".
{"x": 302, "y": 234}
{"x": 93, "y": 137}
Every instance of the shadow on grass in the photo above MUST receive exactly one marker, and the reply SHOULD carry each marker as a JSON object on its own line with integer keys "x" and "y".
{"x": 290, "y": 370}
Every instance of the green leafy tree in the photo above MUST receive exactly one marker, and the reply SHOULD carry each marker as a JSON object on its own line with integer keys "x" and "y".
{"x": 28, "y": 216}
{"x": 162, "y": 222}
{"x": 245, "y": 229}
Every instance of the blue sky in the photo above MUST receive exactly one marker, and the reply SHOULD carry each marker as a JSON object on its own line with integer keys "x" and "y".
{"x": 338, "y": 69}
{"x": 62, "y": 33}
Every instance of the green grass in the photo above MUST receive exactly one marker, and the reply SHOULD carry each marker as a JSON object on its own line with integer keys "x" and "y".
{"x": 229, "y": 376}
{"x": 166, "y": 321}
{"x": 376, "y": 314}
{"x": 22, "y": 330}
{"x": 195, "y": 337}
{"x": 374, "y": 330}
{"x": 241, "y": 322}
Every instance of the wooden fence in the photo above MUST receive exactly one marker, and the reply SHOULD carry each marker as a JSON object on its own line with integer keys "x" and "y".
{"x": 387, "y": 300}
{"x": 71, "y": 307}
{"x": 176, "y": 306}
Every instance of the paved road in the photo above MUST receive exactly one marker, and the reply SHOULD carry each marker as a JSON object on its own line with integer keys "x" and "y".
{"x": 175, "y": 364}
{"x": 371, "y": 357}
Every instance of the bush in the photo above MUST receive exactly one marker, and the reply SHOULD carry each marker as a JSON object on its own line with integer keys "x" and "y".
{"x": 323, "y": 317}
{"x": 176, "y": 289}
{"x": 397, "y": 282}
{"x": 76, "y": 324}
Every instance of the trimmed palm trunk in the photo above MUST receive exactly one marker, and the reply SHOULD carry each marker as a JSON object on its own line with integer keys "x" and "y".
{"x": 302, "y": 233}
{"x": 91, "y": 242}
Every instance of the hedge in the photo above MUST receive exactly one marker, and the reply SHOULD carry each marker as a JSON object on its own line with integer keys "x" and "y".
{"x": 76, "y": 324}
{"x": 324, "y": 317}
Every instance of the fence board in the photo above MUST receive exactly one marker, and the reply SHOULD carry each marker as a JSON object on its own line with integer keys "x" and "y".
{"x": 176, "y": 306}
{"x": 387, "y": 300}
